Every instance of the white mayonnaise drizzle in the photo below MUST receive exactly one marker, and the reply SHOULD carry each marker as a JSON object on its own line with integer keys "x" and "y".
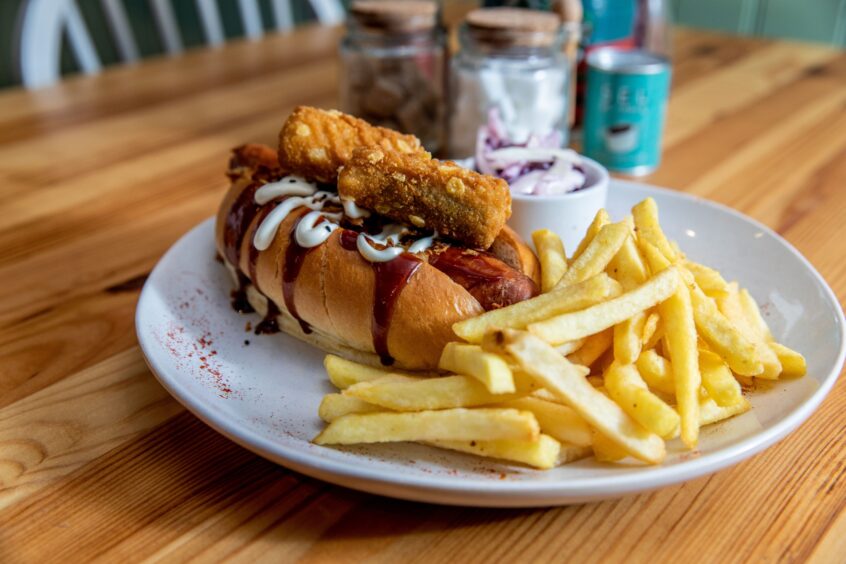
{"x": 376, "y": 255}
{"x": 286, "y": 186}
{"x": 352, "y": 210}
{"x": 390, "y": 235}
{"x": 266, "y": 232}
{"x": 311, "y": 231}
{"x": 423, "y": 243}
{"x": 310, "y": 234}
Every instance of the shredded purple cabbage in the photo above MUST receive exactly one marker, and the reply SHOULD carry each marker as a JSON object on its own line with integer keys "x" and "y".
{"x": 526, "y": 176}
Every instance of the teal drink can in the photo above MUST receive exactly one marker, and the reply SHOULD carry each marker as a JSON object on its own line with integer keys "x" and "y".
{"x": 625, "y": 107}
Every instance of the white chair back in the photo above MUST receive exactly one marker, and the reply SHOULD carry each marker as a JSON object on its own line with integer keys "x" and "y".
{"x": 44, "y": 22}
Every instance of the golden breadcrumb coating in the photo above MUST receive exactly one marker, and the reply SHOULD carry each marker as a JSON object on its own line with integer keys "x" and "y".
{"x": 415, "y": 189}
{"x": 316, "y": 143}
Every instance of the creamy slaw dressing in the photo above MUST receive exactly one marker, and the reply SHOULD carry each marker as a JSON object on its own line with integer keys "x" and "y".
{"x": 317, "y": 225}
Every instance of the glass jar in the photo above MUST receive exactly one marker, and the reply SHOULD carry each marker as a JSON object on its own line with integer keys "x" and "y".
{"x": 392, "y": 68}
{"x": 511, "y": 60}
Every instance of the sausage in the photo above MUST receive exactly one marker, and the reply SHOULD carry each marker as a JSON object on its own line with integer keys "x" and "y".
{"x": 493, "y": 283}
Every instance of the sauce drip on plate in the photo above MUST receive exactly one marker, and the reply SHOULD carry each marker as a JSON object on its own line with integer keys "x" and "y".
{"x": 269, "y": 324}
{"x": 238, "y": 296}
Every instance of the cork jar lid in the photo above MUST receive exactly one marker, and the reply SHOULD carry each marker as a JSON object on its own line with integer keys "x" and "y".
{"x": 395, "y": 15}
{"x": 513, "y": 26}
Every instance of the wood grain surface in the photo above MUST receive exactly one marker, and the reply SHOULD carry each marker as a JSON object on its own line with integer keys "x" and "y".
{"x": 99, "y": 176}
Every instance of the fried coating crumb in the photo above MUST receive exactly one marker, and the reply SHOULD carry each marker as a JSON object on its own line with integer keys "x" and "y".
{"x": 248, "y": 159}
{"x": 316, "y": 143}
{"x": 427, "y": 193}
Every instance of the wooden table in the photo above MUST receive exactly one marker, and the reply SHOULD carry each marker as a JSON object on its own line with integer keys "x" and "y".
{"x": 99, "y": 176}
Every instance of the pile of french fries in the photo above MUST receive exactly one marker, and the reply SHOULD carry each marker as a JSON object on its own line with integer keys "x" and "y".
{"x": 629, "y": 345}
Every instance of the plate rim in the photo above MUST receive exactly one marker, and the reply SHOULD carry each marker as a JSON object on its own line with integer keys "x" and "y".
{"x": 507, "y": 493}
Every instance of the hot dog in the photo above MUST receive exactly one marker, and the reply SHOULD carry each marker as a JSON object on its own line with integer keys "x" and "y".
{"x": 347, "y": 279}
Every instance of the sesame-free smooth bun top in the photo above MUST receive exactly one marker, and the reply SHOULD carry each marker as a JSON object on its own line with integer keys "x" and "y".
{"x": 418, "y": 190}
{"x": 316, "y": 143}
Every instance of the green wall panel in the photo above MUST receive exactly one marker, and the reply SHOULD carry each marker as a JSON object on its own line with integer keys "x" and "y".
{"x": 812, "y": 21}
{"x": 723, "y": 15}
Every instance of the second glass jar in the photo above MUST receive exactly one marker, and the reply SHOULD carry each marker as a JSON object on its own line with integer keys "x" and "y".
{"x": 517, "y": 68}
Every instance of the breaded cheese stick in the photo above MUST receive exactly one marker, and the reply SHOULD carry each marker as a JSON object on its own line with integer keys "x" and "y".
{"x": 418, "y": 190}
{"x": 316, "y": 143}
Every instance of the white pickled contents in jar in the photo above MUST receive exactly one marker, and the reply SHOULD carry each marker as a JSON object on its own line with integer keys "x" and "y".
{"x": 392, "y": 67}
{"x": 511, "y": 59}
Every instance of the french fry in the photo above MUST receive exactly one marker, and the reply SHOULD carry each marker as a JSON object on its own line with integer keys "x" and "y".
{"x": 593, "y": 347}
{"x": 710, "y": 412}
{"x": 578, "y": 324}
{"x": 627, "y": 388}
{"x": 560, "y": 377}
{"x": 597, "y": 255}
{"x": 714, "y": 328}
{"x": 333, "y": 406}
{"x": 606, "y": 450}
{"x": 649, "y": 229}
{"x": 344, "y": 373}
{"x": 570, "y": 347}
{"x": 519, "y": 315}
{"x": 628, "y": 338}
{"x": 650, "y": 328}
{"x": 680, "y": 337}
{"x": 470, "y": 360}
{"x": 556, "y": 420}
{"x": 627, "y": 266}
{"x": 651, "y": 338}
{"x": 732, "y": 308}
{"x": 431, "y": 393}
{"x": 725, "y": 337}
{"x": 483, "y": 424}
{"x": 657, "y": 372}
{"x": 600, "y": 220}
{"x": 711, "y": 281}
{"x": 680, "y": 332}
{"x": 552, "y": 258}
{"x": 628, "y": 269}
{"x": 571, "y": 453}
{"x": 792, "y": 363}
{"x": 753, "y": 314}
{"x": 543, "y": 453}
{"x": 718, "y": 380}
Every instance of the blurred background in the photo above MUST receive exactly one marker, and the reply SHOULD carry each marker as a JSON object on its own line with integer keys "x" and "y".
{"x": 822, "y": 21}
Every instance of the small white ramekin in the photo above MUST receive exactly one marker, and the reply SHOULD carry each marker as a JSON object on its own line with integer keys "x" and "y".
{"x": 568, "y": 215}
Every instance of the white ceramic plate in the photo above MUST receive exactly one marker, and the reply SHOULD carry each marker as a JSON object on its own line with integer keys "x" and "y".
{"x": 264, "y": 395}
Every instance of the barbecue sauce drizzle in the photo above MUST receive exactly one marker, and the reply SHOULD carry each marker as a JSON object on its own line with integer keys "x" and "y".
{"x": 242, "y": 214}
{"x": 391, "y": 278}
{"x": 238, "y": 220}
{"x": 294, "y": 257}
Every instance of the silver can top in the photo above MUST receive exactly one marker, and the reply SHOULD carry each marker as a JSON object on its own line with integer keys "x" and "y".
{"x": 622, "y": 61}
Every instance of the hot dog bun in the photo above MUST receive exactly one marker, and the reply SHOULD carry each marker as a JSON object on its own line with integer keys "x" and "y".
{"x": 334, "y": 293}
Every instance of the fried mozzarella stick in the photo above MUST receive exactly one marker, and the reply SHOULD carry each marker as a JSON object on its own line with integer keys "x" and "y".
{"x": 316, "y": 143}
{"x": 418, "y": 190}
